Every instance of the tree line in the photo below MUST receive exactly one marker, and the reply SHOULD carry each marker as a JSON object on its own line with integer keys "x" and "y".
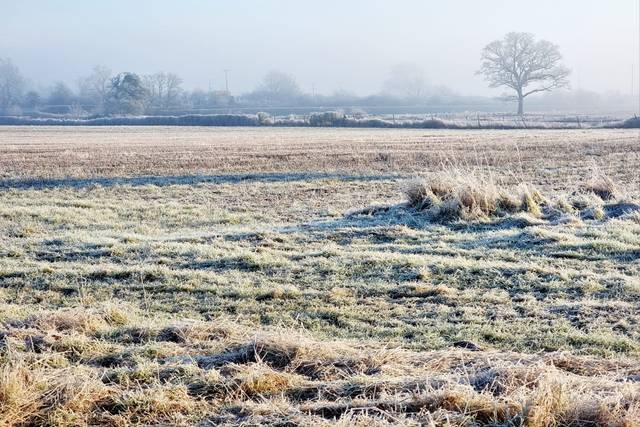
{"x": 518, "y": 62}
{"x": 103, "y": 92}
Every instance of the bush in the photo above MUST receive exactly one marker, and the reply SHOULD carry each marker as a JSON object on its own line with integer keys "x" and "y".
{"x": 327, "y": 119}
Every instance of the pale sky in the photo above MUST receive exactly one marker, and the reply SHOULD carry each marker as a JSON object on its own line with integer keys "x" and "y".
{"x": 348, "y": 44}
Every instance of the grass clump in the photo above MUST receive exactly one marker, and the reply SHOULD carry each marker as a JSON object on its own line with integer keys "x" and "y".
{"x": 32, "y": 395}
{"x": 602, "y": 186}
{"x": 259, "y": 379}
{"x": 458, "y": 196}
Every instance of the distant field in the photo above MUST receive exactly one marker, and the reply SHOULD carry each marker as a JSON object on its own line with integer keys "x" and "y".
{"x": 543, "y": 157}
{"x": 262, "y": 276}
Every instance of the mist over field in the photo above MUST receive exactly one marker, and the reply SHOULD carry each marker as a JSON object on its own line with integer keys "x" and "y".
{"x": 408, "y": 48}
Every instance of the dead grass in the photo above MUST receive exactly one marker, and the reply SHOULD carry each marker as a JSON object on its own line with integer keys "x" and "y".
{"x": 33, "y": 394}
{"x": 603, "y": 186}
{"x": 244, "y": 296}
{"x": 465, "y": 195}
{"x": 281, "y": 376}
{"x": 103, "y": 152}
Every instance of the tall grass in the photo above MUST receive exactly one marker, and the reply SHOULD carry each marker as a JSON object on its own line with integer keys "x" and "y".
{"x": 465, "y": 195}
{"x": 459, "y": 194}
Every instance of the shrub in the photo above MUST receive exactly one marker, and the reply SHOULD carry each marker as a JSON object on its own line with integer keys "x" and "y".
{"x": 327, "y": 119}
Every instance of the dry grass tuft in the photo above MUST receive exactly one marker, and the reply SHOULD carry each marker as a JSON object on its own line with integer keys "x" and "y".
{"x": 467, "y": 196}
{"x": 548, "y": 404}
{"x": 602, "y": 186}
{"x": 260, "y": 379}
{"x": 169, "y": 405}
{"x": 32, "y": 395}
{"x": 67, "y": 320}
{"x": 456, "y": 195}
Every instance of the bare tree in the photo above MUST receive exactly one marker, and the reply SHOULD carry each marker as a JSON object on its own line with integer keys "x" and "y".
{"x": 11, "y": 84}
{"x": 278, "y": 87}
{"x": 31, "y": 100}
{"x": 96, "y": 86}
{"x": 406, "y": 81}
{"x": 60, "y": 96}
{"x": 172, "y": 89}
{"x": 164, "y": 89}
{"x": 524, "y": 64}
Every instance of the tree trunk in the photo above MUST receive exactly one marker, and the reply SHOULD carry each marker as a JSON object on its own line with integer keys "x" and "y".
{"x": 520, "y": 105}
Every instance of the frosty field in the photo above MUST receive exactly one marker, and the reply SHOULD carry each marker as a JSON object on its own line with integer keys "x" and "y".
{"x": 211, "y": 276}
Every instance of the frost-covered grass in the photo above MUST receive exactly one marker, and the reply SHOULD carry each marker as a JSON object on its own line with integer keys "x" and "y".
{"x": 290, "y": 281}
{"x": 112, "y": 365}
{"x": 561, "y": 158}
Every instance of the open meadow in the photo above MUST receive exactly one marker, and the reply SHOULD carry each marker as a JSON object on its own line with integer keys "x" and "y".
{"x": 298, "y": 276}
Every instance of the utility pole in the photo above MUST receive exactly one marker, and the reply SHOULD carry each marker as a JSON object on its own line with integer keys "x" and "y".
{"x": 226, "y": 80}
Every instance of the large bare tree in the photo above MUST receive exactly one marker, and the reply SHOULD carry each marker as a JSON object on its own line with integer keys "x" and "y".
{"x": 524, "y": 64}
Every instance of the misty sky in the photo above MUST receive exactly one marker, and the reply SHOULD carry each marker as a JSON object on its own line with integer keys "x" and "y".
{"x": 334, "y": 44}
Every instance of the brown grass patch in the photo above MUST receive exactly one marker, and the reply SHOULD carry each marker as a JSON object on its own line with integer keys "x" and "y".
{"x": 459, "y": 195}
{"x": 231, "y": 378}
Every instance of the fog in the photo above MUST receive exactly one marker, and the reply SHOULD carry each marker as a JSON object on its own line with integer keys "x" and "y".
{"x": 328, "y": 45}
